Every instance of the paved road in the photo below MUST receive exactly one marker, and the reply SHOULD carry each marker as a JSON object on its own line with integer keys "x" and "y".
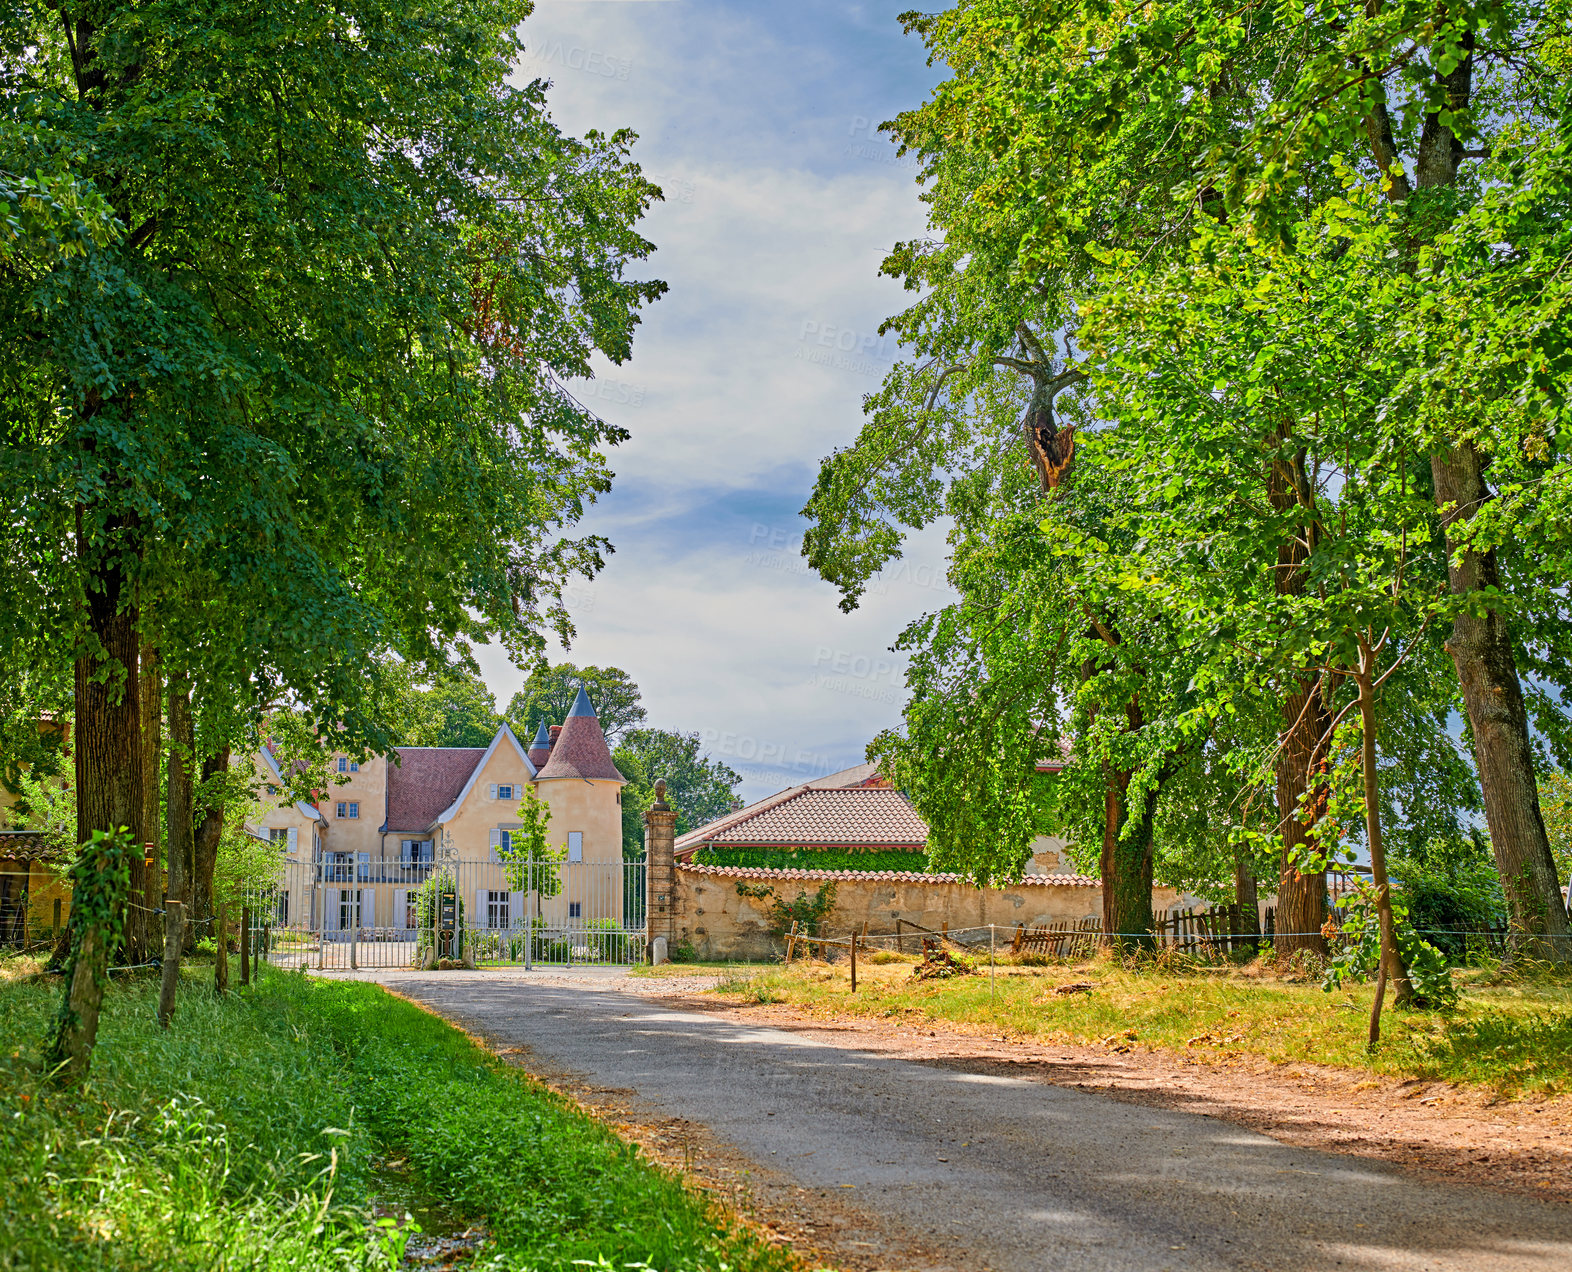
{"x": 1004, "y": 1173}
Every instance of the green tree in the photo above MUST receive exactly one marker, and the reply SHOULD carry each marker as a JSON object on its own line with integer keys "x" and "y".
{"x": 549, "y": 691}
{"x": 450, "y": 708}
{"x": 698, "y": 788}
{"x": 302, "y": 413}
{"x": 1458, "y": 115}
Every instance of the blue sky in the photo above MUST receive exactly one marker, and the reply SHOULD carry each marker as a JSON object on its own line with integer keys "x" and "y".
{"x": 759, "y": 121}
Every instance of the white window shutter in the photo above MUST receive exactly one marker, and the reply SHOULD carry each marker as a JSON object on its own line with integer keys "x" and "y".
{"x": 368, "y": 907}
{"x": 331, "y": 916}
{"x": 575, "y": 845}
{"x": 482, "y": 918}
{"x": 400, "y": 908}
{"x": 516, "y": 911}
{"x": 496, "y": 839}
{"x": 294, "y": 839}
{"x": 493, "y": 790}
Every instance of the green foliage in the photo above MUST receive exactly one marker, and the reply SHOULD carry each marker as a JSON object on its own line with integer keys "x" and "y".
{"x": 1450, "y": 886}
{"x": 322, "y": 430}
{"x": 1360, "y": 956}
{"x": 698, "y": 789}
{"x": 548, "y": 694}
{"x": 808, "y": 913}
{"x": 451, "y": 707}
{"x": 47, "y": 805}
{"x": 813, "y": 859}
{"x": 531, "y": 862}
{"x": 1555, "y": 802}
{"x": 274, "y": 1158}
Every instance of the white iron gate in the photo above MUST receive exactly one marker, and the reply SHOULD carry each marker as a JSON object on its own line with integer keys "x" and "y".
{"x": 361, "y": 913}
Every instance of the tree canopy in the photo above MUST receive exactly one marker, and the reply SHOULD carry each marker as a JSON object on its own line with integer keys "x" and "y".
{"x": 548, "y": 694}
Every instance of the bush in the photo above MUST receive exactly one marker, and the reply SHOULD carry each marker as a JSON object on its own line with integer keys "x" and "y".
{"x": 812, "y": 859}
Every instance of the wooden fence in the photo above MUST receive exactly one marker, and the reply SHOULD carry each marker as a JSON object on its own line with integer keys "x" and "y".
{"x": 1068, "y": 938}
{"x": 1214, "y": 929}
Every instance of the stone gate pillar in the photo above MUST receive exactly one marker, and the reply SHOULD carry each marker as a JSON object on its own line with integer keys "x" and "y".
{"x": 660, "y": 837}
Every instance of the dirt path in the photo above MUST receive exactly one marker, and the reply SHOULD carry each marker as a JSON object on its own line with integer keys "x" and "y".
{"x": 897, "y": 1149}
{"x": 1463, "y": 1135}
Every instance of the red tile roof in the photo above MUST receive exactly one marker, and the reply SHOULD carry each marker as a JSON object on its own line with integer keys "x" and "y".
{"x": 580, "y": 750}
{"x": 425, "y": 781}
{"x": 871, "y": 815}
{"x": 884, "y": 876}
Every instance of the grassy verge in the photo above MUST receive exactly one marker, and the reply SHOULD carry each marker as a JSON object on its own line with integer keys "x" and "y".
{"x": 263, "y": 1128}
{"x": 1513, "y": 1037}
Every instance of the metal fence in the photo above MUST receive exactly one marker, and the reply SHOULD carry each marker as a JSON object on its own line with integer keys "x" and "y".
{"x": 326, "y": 914}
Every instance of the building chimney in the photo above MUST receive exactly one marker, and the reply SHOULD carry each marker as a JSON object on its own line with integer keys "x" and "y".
{"x": 553, "y": 731}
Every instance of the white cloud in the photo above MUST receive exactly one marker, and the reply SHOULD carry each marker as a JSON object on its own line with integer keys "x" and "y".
{"x": 780, "y": 207}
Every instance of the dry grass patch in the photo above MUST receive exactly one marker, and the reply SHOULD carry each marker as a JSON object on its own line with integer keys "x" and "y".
{"x": 1514, "y": 1036}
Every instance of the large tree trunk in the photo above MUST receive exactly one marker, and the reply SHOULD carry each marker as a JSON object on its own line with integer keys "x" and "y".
{"x": 1480, "y": 646}
{"x": 1302, "y": 794}
{"x": 209, "y": 829}
{"x": 1301, "y": 771}
{"x": 106, "y": 739}
{"x": 1126, "y": 866}
{"x": 106, "y": 745}
{"x": 1481, "y": 650}
{"x": 181, "y": 812}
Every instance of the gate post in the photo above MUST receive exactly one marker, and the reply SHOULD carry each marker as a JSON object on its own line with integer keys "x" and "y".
{"x": 660, "y": 837}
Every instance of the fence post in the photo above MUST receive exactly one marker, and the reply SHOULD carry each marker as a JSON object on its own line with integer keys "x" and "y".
{"x": 660, "y": 840}
{"x": 854, "y": 960}
{"x": 221, "y": 959}
{"x": 529, "y": 915}
{"x": 322, "y": 916}
{"x": 245, "y": 945}
{"x": 354, "y": 928}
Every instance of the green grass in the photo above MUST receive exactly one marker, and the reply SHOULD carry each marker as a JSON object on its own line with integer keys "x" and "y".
{"x": 251, "y": 1136}
{"x": 1514, "y": 1037}
{"x": 811, "y": 859}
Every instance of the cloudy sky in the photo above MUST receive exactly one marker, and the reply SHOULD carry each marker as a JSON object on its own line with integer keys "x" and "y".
{"x": 759, "y": 120}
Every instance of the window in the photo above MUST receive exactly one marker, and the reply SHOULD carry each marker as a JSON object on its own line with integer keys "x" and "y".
{"x": 505, "y": 792}
{"x": 410, "y": 899}
{"x": 271, "y": 789}
{"x": 347, "y": 765}
{"x": 414, "y": 852}
{"x": 575, "y": 845}
{"x": 339, "y": 868}
{"x": 278, "y": 835}
{"x": 497, "y": 909}
{"x": 350, "y": 808}
{"x": 575, "y": 909}
{"x": 282, "y": 913}
{"x": 348, "y": 909}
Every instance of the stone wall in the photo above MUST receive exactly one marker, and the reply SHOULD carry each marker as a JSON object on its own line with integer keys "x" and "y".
{"x": 709, "y": 913}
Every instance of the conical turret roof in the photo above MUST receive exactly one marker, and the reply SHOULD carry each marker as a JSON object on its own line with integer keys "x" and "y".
{"x": 580, "y": 749}
{"x": 540, "y": 748}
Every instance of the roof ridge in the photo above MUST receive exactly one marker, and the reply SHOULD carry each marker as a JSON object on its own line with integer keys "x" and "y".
{"x": 911, "y": 876}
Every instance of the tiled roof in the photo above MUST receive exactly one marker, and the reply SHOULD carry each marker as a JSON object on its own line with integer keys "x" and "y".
{"x": 860, "y": 815}
{"x": 884, "y": 876}
{"x": 858, "y": 776}
{"x": 425, "y": 781}
{"x": 580, "y": 750}
{"x": 26, "y": 845}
